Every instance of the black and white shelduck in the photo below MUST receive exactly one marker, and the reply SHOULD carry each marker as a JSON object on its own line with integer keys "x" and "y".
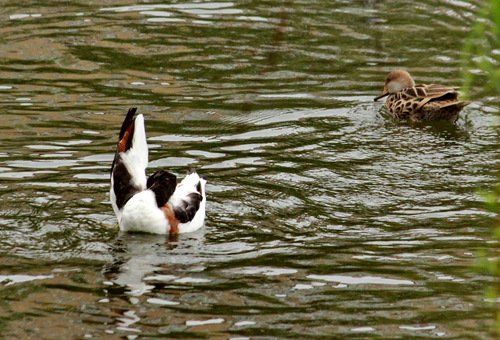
{"x": 154, "y": 204}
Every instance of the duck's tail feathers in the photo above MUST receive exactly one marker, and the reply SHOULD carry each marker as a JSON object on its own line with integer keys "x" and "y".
{"x": 188, "y": 200}
{"x": 128, "y": 172}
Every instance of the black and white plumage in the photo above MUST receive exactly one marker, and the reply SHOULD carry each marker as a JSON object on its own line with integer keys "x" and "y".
{"x": 156, "y": 204}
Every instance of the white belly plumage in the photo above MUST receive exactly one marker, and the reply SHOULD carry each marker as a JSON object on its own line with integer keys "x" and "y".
{"x": 141, "y": 213}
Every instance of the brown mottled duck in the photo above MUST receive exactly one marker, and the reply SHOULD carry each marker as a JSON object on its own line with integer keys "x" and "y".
{"x": 419, "y": 102}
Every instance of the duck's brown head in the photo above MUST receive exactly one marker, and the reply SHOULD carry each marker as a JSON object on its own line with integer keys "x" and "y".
{"x": 396, "y": 81}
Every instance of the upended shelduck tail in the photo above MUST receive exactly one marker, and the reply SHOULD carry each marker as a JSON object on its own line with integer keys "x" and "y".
{"x": 154, "y": 204}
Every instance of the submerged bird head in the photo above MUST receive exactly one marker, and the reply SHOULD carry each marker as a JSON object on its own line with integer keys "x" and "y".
{"x": 396, "y": 81}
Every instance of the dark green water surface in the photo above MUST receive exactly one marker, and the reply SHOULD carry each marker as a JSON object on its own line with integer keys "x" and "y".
{"x": 324, "y": 220}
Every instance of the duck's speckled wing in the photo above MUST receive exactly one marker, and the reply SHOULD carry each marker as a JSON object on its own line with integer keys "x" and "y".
{"x": 404, "y": 104}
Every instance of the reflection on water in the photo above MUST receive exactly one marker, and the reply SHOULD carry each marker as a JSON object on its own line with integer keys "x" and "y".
{"x": 324, "y": 219}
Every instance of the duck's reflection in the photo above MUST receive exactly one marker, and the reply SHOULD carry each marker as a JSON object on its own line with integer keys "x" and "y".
{"x": 137, "y": 255}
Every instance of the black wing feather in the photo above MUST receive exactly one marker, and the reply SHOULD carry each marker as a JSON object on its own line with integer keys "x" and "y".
{"x": 122, "y": 183}
{"x": 185, "y": 211}
{"x": 163, "y": 184}
{"x": 129, "y": 120}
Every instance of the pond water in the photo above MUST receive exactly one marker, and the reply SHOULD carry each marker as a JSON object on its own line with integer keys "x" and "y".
{"x": 323, "y": 218}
